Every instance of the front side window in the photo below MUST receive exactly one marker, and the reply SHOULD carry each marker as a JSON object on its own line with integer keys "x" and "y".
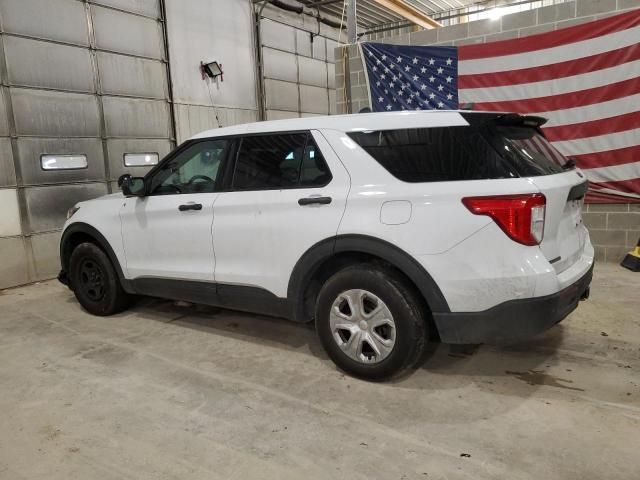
{"x": 194, "y": 170}
{"x": 279, "y": 161}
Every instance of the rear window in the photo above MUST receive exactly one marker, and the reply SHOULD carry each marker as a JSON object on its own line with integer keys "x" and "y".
{"x": 461, "y": 153}
{"x": 529, "y": 152}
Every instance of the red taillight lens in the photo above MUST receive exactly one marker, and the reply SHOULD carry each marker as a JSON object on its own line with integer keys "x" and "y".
{"x": 521, "y": 217}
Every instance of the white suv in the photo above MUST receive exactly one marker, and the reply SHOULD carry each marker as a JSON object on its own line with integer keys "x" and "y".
{"x": 386, "y": 229}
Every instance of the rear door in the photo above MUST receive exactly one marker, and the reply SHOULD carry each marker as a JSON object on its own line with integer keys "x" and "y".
{"x": 287, "y": 193}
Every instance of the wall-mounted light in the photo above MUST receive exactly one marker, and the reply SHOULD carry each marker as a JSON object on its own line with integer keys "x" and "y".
{"x": 211, "y": 70}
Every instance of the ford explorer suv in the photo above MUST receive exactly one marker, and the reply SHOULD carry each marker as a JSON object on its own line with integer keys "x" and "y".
{"x": 385, "y": 229}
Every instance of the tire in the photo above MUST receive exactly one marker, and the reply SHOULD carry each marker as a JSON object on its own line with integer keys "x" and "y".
{"x": 95, "y": 282}
{"x": 394, "y": 333}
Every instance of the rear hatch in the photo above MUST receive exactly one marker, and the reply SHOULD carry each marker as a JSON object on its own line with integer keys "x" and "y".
{"x": 528, "y": 153}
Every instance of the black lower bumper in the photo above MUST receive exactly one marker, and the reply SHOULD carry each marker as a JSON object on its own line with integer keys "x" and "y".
{"x": 512, "y": 321}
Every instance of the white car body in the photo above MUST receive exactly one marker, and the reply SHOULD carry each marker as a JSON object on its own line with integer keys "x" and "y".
{"x": 256, "y": 238}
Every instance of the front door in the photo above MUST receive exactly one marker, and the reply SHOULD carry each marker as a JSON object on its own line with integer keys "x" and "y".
{"x": 167, "y": 234}
{"x": 288, "y": 192}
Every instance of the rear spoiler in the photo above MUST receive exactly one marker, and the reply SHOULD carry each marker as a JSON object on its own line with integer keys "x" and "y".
{"x": 507, "y": 119}
{"x": 525, "y": 120}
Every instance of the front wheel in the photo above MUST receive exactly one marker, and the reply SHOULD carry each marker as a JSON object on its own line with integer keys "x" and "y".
{"x": 370, "y": 323}
{"x": 95, "y": 282}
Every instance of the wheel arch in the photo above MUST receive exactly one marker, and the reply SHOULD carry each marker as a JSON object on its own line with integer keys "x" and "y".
{"x": 81, "y": 232}
{"x": 330, "y": 255}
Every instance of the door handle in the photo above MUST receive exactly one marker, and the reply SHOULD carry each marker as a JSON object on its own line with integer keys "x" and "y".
{"x": 190, "y": 206}
{"x": 314, "y": 201}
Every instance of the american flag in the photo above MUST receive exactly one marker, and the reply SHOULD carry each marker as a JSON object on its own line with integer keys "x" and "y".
{"x": 585, "y": 79}
{"x": 411, "y": 78}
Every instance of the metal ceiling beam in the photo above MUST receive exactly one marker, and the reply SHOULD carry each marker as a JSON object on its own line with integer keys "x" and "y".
{"x": 411, "y": 13}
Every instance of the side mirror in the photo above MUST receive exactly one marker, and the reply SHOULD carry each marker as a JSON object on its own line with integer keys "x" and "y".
{"x": 132, "y": 186}
{"x": 122, "y": 179}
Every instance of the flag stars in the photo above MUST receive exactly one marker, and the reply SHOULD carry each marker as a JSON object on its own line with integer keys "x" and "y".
{"x": 388, "y": 107}
{"x": 449, "y": 96}
{"x": 399, "y": 59}
{"x": 449, "y": 61}
{"x": 415, "y": 78}
{"x": 409, "y": 100}
{"x": 440, "y": 70}
{"x": 407, "y": 68}
{"x": 431, "y": 61}
{"x": 383, "y": 57}
{"x": 440, "y": 88}
{"x": 449, "y": 79}
{"x": 440, "y": 104}
{"x": 432, "y": 95}
{"x": 392, "y": 84}
{"x": 423, "y": 70}
{"x": 432, "y": 79}
{"x": 423, "y": 87}
{"x": 415, "y": 60}
{"x": 380, "y": 99}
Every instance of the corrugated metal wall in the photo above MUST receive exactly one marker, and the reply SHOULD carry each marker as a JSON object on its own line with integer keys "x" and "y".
{"x": 95, "y": 77}
{"x": 77, "y": 78}
{"x": 206, "y": 30}
{"x": 299, "y": 70}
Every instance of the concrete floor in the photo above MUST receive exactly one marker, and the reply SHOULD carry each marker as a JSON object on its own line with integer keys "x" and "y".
{"x": 168, "y": 392}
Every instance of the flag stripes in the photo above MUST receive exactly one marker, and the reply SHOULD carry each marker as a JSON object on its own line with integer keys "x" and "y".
{"x": 584, "y": 79}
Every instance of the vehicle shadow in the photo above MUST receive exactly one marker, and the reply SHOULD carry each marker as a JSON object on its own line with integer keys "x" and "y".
{"x": 254, "y": 328}
{"x": 482, "y": 364}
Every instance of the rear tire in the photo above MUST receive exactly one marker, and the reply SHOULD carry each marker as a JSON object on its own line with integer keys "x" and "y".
{"x": 370, "y": 322}
{"x": 95, "y": 282}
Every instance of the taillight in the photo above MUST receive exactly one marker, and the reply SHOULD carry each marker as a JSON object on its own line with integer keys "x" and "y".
{"x": 521, "y": 217}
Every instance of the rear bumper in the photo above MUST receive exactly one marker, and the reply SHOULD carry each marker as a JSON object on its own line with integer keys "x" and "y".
{"x": 515, "y": 320}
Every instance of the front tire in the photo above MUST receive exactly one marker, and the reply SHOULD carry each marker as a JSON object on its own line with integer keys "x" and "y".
{"x": 370, "y": 322}
{"x": 95, "y": 282}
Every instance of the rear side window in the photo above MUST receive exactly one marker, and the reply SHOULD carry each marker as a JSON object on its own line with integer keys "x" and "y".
{"x": 486, "y": 151}
{"x": 434, "y": 154}
{"x": 279, "y": 161}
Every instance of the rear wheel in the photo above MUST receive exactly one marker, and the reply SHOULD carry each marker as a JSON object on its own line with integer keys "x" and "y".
{"x": 95, "y": 281}
{"x": 370, "y": 323}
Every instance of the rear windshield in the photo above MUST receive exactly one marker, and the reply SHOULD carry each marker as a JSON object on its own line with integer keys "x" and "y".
{"x": 487, "y": 151}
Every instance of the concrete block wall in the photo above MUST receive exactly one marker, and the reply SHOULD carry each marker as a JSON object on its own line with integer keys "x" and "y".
{"x": 614, "y": 228}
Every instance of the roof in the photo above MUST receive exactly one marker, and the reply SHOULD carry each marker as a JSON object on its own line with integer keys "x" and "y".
{"x": 371, "y": 14}
{"x": 349, "y": 123}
